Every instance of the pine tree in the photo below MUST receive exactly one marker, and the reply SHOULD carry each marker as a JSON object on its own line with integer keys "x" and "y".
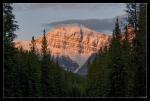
{"x": 98, "y": 75}
{"x": 118, "y": 74}
{"x": 138, "y": 51}
{"x": 34, "y": 73}
{"x": 46, "y": 77}
{"x": 33, "y": 46}
{"x": 56, "y": 74}
{"x": 44, "y": 45}
{"x": 116, "y": 31}
{"x": 10, "y": 26}
{"x": 133, "y": 12}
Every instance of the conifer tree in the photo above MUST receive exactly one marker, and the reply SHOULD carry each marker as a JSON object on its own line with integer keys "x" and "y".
{"x": 33, "y": 46}
{"x": 138, "y": 51}
{"x": 45, "y": 68}
{"x": 118, "y": 74}
{"x": 34, "y": 73}
{"x": 10, "y": 26}
{"x": 133, "y": 12}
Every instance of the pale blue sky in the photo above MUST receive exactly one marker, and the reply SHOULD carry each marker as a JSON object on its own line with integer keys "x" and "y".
{"x": 32, "y": 16}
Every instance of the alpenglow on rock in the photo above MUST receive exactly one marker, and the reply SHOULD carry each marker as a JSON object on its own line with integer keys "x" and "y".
{"x": 74, "y": 42}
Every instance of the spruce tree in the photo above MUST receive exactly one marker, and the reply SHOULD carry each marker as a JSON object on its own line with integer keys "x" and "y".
{"x": 10, "y": 26}
{"x": 133, "y": 12}
{"x": 34, "y": 71}
{"x": 33, "y": 46}
{"x": 118, "y": 74}
{"x": 138, "y": 51}
{"x": 45, "y": 77}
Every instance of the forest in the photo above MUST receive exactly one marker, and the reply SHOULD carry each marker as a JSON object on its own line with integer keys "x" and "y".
{"x": 117, "y": 71}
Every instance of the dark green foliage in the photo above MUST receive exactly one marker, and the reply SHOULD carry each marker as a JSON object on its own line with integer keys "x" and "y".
{"x": 128, "y": 67}
{"x": 74, "y": 85}
{"x": 117, "y": 71}
{"x": 140, "y": 53}
{"x": 33, "y": 46}
{"x": 34, "y": 68}
{"x": 45, "y": 69}
{"x": 118, "y": 74}
{"x": 98, "y": 77}
{"x": 106, "y": 76}
{"x": 52, "y": 81}
{"x": 44, "y": 46}
{"x": 120, "y": 71}
{"x": 132, "y": 11}
{"x": 9, "y": 25}
{"x": 27, "y": 76}
{"x": 116, "y": 31}
{"x": 136, "y": 62}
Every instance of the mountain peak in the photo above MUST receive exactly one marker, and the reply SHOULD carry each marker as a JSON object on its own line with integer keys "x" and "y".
{"x": 74, "y": 41}
{"x": 71, "y": 28}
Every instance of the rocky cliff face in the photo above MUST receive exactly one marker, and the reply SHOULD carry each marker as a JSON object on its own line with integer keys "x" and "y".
{"x": 73, "y": 41}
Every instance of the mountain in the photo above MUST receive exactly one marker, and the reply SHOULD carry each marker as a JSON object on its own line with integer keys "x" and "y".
{"x": 71, "y": 45}
{"x": 100, "y": 25}
{"x": 84, "y": 69}
{"x": 74, "y": 45}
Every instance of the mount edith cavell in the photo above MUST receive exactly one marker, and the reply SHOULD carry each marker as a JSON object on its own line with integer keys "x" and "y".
{"x": 75, "y": 50}
{"x": 71, "y": 45}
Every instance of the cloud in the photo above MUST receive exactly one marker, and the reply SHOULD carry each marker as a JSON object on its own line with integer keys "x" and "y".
{"x": 65, "y": 6}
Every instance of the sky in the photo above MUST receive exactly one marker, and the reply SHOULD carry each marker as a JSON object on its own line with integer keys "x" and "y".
{"x": 32, "y": 17}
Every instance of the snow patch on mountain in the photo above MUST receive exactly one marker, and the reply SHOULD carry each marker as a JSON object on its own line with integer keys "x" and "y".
{"x": 70, "y": 43}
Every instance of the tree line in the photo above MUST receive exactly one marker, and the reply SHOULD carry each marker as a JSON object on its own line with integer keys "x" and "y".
{"x": 117, "y": 71}
{"x": 120, "y": 70}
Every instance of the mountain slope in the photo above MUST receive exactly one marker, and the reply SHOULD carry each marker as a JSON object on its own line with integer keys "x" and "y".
{"x": 71, "y": 43}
